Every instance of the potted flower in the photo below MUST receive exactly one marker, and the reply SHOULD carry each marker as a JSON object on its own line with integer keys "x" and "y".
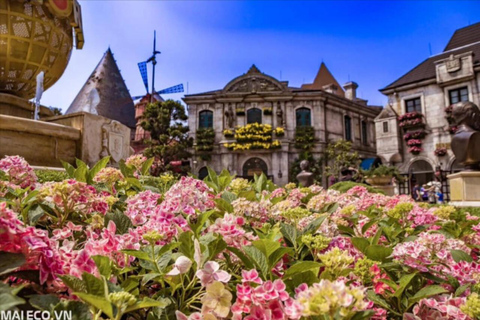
{"x": 279, "y": 131}
{"x": 415, "y": 150}
{"x": 414, "y": 142}
{"x": 240, "y": 111}
{"x": 228, "y": 133}
{"x": 381, "y": 175}
{"x": 440, "y": 152}
{"x": 267, "y": 111}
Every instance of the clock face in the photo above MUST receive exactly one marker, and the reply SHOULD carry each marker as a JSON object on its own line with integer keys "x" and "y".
{"x": 61, "y": 8}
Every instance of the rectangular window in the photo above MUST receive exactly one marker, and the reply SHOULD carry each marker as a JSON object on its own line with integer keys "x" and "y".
{"x": 457, "y": 95}
{"x": 348, "y": 128}
{"x": 385, "y": 126}
{"x": 364, "y": 133}
{"x": 413, "y": 105}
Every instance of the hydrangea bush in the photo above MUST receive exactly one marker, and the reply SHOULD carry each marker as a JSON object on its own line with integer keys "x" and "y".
{"x": 111, "y": 243}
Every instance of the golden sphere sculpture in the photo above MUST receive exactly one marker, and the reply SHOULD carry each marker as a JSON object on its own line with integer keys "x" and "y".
{"x": 35, "y": 36}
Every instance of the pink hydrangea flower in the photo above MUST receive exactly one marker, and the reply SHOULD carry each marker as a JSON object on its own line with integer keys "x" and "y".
{"x": 211, "y": 272}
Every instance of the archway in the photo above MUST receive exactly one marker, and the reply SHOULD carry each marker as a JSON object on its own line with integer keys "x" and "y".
{"x": 254, "y": 166}
{"x": 202, "y": 173}
{"x": 421, "y": 172}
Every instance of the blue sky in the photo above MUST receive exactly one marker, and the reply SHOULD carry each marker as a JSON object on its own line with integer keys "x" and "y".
{"x": 208, "y": 43}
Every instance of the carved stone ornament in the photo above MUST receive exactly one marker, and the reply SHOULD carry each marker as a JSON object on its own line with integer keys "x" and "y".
{"x": 254, "y": 84}
{"x": 112, "y": 141}
{"x": 453, "y": 64}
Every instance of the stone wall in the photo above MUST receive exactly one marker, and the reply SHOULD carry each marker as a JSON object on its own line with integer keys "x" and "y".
{"x": 40, "y": 143}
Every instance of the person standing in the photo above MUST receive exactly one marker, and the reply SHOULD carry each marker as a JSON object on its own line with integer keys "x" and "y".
{"x": 416, "y": 193}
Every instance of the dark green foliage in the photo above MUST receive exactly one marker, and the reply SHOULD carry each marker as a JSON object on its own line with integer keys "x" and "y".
{"x": 304, "y": 138}
{"x": 45, "y": 175}
{"x": 347, "y": 185}
{"x": 169, "y": 139}
{"x": 205, "y": 139}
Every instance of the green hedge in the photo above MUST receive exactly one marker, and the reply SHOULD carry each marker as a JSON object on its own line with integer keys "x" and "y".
{"x": 45, "y": 175}
{"x": 347, "y": 185}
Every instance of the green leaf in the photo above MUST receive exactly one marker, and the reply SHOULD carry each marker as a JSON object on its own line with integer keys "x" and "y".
{"x": 461, "y": 290}
{"x": 98, "y": 302}
{"x": 165, "y": 248}
{"x": 77, "y": 309}
{"x": 277, "y": 255}
{"x": 138, "y": 254}
{"x": 149, "y": 277}
{"x": 427, "y": 292}
{"x": 201, "y": 220}
{"x": 378, "y": 252}
{"x": 134, "y": 182}
{"x": 68, "y": 168}
{"x": 10, "y": 261}
{"x": 122, "y": 221}
{"x": 404, "y": 283}
{"x": 266, "y": 246}
{"x": 81, "y": 172}
{"x": 301, "y": 266}
{"x": 215, "y": 248}
{"x": 102, "y": 163}
{"x": 186, "y": 244}
{"x": 376, "y": 238}
{"x": 9, "y": 301}
{"x": 34, "y": 214}
{"x": 104, "y": 265}
{"x": 258, "y": 258}
{"x": 229, "y": 196}
{"x": 146, "y": 303}
{"x": 361, "y": 244}
{"x": 360, "y": 315}
{"x": 94, "y": 285}
{"x": 74, "y": 283}
{"x": 346, "y": 230}
{"x": 381, "y": 302}
{"x": 289, "y": 232}
{"x": 223, "y": 205}
{"x": 460, "y": 255}
{"x": 313, "y": 226}
{"x": 146, "y": 166}
{"x": 44, "y": 301}
{"x": 246, "y": 261}
{"x": 309, "y": 277}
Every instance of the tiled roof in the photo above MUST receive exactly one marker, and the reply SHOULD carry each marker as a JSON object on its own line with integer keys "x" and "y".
{"x": 463, "y": 40}
{"x": 324, "y": 77}
{"x": 464, "y": 36}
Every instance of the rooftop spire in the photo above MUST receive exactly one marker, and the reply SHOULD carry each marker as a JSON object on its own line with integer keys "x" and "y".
{"x": 105, "y": 93}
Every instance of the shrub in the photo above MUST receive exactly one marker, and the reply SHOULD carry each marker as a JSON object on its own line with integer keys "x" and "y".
{"x": 347, "y": 185}
{"x": 46, "y": 175}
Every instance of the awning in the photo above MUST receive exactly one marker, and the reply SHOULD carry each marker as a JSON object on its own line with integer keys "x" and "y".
{"x": 367, "y": 163}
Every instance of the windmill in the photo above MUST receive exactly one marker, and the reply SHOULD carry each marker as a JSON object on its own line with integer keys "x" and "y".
{"x": 142, "y": 66}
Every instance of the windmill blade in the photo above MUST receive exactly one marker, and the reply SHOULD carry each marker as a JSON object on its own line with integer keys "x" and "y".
{"x": 137, "y": 97}
{"x": 175, "y": 89}
{"x": 143, "y": 71}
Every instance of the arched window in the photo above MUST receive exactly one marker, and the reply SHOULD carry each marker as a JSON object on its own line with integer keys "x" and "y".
{"x": 254, "y": 166}
{"x": 254, "y": 115}
{"x": 205, "y": 119}
{"x": 202, "y": 173}
{"x": 304, "y": 117}
{"x": 348, "y": 128}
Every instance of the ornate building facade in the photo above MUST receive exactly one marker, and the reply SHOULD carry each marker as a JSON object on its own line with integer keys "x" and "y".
{"x": 414, "y": 131}
{"x": 249, "y": 126}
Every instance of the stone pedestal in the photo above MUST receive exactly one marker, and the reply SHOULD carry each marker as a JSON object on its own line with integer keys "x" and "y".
{"x": 388, "y": 189}
{"x": 465, "y": 189}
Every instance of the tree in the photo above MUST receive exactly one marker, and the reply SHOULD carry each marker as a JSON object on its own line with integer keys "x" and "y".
{"x": 339, "y": 155}
{"x": 169, "y": 141}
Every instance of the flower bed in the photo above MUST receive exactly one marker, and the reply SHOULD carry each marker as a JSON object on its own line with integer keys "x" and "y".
{"x": 304, "y": 137}
{"x": 267, "y": 111}
{"x": 411, "y": 120}
{"x": 110, "y": 246}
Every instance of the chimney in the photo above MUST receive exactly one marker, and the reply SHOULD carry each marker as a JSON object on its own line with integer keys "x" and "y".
{"x": 350, "y": 90}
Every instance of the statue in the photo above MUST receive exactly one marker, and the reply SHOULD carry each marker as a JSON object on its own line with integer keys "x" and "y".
{"x": 467, "y": 139}
{"x": 280, "y": 115}
{"x": 305, "y": 178}
{"x": 230, "y": 114}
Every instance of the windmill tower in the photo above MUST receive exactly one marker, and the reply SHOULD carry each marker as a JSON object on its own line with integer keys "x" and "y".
{"x": 142, "y": 101}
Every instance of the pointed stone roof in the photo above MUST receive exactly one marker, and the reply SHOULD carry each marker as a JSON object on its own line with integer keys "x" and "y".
{"x": 323, "y": 80}
{"x": 105, "y": 93}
